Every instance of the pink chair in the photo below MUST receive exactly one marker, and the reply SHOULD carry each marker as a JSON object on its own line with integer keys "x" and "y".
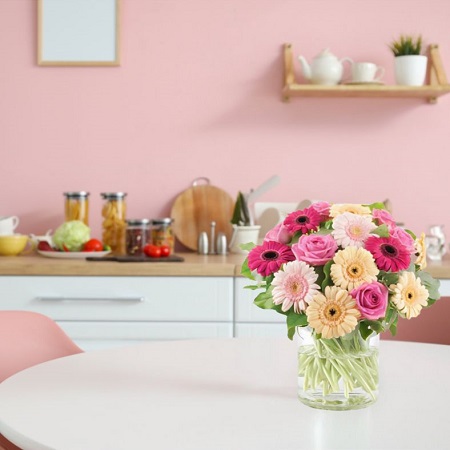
{"x": 26, "y": 339}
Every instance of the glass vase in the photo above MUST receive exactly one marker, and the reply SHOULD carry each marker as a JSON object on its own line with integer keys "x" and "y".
{"x": 338, "y": 373}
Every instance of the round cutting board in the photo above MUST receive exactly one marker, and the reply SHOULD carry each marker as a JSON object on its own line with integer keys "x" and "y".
{"x": 195, "y": 209}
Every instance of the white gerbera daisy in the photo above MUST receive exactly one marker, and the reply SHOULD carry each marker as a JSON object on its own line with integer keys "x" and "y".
{"x": 294, "y": 285}
{"x": 352, "y": 229}
{"x": 409, "y": 295}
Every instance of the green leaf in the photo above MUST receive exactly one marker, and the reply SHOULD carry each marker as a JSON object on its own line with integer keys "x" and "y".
{"x": 253, "y": 287}
{"x": 367, "y": 327}
{"x": 264, "y": 300}
{"x": 364, "y": 329}
{"x": 393, "y": 327}
{"x": 382, "y": 231}
{"x": 248, "y": 246}
{"x": 388, "y": 278}
{"x": 293, "y": 321}
{"x": 376, "y": 205}
{"x": 411, "y": 233}
{"x": 245, "y": 270}
{"x": 328, "y": 225}
{"x": 327, "y": 278}
{"x": 241, "y": 215}
{"x": 431, "y": 284}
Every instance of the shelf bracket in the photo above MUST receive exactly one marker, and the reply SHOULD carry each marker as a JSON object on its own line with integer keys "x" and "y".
{"x": 436, "y": 72}
{"x": 289, "y": 77}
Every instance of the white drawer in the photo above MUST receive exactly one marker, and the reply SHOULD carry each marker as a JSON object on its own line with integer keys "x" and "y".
{"x": 100, "y": 335}
{"x": 246, "y": 310}
{"x": 121, "y": 298}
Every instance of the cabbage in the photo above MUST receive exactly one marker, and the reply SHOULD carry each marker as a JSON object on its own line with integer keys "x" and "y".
{"x": 72, "y": 235}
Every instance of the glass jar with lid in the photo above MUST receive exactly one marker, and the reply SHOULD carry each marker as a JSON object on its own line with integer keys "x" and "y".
{"x": 137, "y": 236}
{"x": 76, "y": 206}
{"x": 162, "y": 233}
{"x": 114, "y": 221}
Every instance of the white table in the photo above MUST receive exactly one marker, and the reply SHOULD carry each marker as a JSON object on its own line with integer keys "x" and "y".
{"x": 233, "y": 394}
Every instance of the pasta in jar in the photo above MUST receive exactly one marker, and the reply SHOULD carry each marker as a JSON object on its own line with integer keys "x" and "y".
{"x": 114, "y": 221}
{"x": 77, "y": 206}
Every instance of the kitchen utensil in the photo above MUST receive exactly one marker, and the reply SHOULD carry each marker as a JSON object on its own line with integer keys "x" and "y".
{"x": 255, "y": 193}
{"x": 202, "y": 244}
{"x": 195, "y": 208}
{"x": 212, "y": 239}
{"x": 8, "y": 224}
{"x": 14, "y": 244}
{"x": 221, "y": 245}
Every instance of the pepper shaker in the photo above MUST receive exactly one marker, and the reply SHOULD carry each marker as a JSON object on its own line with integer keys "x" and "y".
{"x": 202, "y": 246}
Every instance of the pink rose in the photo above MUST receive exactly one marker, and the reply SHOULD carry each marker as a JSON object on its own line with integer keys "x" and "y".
{"x": 323, "y": 208}
{"x": 315, "y": 249}
{"x": 371, "y": 299}
{"x": 278, "y": 234}
{"x": 383, "y": 217}
{"x": 405, "y": 238}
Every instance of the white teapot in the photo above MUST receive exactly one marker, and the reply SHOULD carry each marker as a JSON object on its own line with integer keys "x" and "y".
{"x": 325, "y": 68}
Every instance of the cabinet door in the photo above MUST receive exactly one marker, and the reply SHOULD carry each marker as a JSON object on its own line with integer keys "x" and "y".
{"x": 246, "y": 310}
{"x": 100, "y": 335}
{"x": 203, "y": 299}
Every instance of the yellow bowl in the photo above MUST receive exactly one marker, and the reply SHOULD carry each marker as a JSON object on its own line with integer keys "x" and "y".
{"x": 12, "y": 245}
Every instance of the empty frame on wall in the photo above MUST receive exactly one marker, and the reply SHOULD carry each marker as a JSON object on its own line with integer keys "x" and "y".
{"x": 78, "y": 32}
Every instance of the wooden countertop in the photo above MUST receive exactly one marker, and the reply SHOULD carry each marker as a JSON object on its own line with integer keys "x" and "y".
{"x": 193, "y": 265}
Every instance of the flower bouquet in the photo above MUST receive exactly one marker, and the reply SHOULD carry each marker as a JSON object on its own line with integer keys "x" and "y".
{"x": 341, "y": 274}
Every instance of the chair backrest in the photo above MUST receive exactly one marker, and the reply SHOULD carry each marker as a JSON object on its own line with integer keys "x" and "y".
{"x": 28, "y": 338}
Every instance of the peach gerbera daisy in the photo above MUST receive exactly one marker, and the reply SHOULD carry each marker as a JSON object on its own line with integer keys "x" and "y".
{"x": 421, "y": 250}
{"x": 294, "y": 285}
{"x": 352, "y": 229}
{"x": 340, "y": 208}
{"x": 352, "y": 267}
{"x": 334, "y": 314}
{"x": 409, "y": 295}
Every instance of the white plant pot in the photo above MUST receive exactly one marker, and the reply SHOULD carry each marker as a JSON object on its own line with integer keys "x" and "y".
{"x": 410, "y": 70}
{"x": 243, "y": 235}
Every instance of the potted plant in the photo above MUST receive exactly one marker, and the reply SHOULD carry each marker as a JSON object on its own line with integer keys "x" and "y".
{"x": 244, "y": 229}
{"x": 410, "y": 65}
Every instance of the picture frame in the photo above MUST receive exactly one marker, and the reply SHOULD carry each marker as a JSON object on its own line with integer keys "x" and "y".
{"x": 78, "y": 32}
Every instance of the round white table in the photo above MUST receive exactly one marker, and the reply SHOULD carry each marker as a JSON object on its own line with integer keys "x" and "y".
{"x": 233, "y": 394}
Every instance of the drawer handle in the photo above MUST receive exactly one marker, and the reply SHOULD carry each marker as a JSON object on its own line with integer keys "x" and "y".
{"x": 91, "y": 299}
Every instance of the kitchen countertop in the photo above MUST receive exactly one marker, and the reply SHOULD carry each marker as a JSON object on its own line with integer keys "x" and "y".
{"x": 193, "y": 265}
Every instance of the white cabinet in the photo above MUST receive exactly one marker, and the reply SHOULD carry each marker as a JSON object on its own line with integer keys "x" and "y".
{"x": 107, "y": 311}
{"x": 251, "y": 321}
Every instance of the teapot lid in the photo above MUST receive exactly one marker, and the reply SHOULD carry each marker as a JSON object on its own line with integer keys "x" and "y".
{"x": 325, "y": 53}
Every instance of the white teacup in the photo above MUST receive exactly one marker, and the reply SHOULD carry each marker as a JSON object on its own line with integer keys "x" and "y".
{"x": 366, "y": 72}
{"x": 8, "y": 224}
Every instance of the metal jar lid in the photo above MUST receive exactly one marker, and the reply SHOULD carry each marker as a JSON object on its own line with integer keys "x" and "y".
{"x": 137, "y": 222}
{"x": 163, "y": 221}
{"x": 113, "y": 195}
{"x": 80, "y": 194}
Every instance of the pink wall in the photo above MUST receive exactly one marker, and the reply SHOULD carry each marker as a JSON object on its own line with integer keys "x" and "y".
{"x": 198, "y": 94}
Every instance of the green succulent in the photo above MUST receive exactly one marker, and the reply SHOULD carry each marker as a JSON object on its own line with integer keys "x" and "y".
{"x": 406, "y": 45}
{"x": 241, "y": 214}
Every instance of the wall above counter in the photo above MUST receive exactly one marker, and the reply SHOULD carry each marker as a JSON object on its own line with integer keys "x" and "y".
{"x": 438, "y": 84}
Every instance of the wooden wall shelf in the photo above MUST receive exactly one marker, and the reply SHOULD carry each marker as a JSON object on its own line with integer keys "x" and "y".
{"x": 437, "y": 86}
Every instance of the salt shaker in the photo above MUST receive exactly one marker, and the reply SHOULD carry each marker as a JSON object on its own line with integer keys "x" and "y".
{"x": 202, "y": 245}
{"x": 221, "y": 245}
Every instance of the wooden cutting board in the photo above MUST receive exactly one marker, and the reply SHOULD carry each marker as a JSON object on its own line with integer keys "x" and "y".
{"x": 195, "y": 209}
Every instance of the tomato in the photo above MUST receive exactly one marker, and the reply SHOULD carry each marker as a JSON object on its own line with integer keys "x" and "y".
{"x": 93, "y": 245}
{"x": 153, "y": 251}
{"x": 165, "y": 250}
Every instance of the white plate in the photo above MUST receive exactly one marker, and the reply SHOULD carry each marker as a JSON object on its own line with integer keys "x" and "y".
{"x": 71, "y": 255}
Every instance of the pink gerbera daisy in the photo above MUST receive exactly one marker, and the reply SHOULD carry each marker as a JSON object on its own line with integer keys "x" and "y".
{"x": 389, "y": 253}
{"x": 294, "y": 285}
{"x": 268, "y": 257}
{"x": 304, "y": 221}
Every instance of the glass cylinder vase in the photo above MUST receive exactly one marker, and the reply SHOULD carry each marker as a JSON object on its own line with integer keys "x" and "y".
{"x": 338, "y": 373}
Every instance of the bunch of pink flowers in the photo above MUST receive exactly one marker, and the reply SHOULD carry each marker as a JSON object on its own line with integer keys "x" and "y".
{"x": 340, "y": 267}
